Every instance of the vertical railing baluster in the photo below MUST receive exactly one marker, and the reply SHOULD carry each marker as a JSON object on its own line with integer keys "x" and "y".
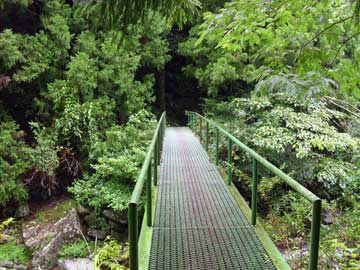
{"x": 217, "y": 147}
{"x": 133, "y": 236}
{"x": 229, "y": 161}
{"x": 315, "y": 234}
{"x": 149, "y": 197}
{"x": 207, "y": 136}
{"x": 255, "y": 176}
{"x": 155, "y": 163}
{"x": 158, "y": 142}
{"x": 200, "y": 132}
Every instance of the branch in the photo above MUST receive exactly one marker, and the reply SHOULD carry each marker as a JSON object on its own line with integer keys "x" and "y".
{"x": 318, "y": 34}
{"x": 336, "y": 102}
{"x": 342, "y": 46}
{"x": 325, "y": 29}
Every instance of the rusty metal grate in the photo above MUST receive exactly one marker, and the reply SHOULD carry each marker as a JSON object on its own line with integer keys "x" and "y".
{"x": 198, "y": 224}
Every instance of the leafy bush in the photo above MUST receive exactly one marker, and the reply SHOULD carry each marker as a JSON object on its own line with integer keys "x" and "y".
{"x": 116, "y": 162}
{"x": 307, "y": 138}
{"x": 98, "y": 194}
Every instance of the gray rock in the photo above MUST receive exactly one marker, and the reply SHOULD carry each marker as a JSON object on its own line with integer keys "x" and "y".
{"x": 82, "y": 211}
{"x": 4, "y": 238}
{"x": 99, "y": 234}
{"x": 118, "y": 217}
{"x": 46, "y": 237}
{"x": 23, "y": 211}
{"x": 116, "y": 226}
{"x": 77, "y": 264}
{"x": 20, "y": 267}
{"x": 121, "y": 236}
{"x": 6, "y": 264}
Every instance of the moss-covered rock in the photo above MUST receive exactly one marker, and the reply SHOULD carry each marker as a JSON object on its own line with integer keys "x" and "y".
{"x": 49, "y": 231}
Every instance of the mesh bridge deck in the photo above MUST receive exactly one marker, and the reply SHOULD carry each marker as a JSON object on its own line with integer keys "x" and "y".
{"x": 198, "y": 224}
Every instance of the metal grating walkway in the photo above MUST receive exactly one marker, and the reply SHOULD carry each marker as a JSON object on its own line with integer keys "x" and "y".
{"x": 198, "y": 224}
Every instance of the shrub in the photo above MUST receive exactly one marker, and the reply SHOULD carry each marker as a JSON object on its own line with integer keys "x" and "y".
{"x": 116, "y": 162}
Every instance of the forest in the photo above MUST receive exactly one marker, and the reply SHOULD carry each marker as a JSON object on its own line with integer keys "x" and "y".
{"x": 83, "y": 84}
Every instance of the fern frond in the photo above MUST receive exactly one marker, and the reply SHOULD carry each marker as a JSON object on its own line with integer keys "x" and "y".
{"x": 121, "y": 13}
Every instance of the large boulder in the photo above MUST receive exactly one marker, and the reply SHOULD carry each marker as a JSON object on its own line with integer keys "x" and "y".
{"x": 46, "y": 236}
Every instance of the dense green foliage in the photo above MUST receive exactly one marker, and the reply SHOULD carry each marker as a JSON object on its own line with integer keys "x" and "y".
{"x": 282, "y": 76}
{"x": 77, "y": 94}
{"x": 13, "y": 163}
{"x": 77, "y": 89}
{"x": 116, "y": 161}
{"x": 250, "y": 39}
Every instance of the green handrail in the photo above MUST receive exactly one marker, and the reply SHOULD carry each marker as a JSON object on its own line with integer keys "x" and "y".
{"x": 257, "y": 159}
{"x": 145, "y": 177}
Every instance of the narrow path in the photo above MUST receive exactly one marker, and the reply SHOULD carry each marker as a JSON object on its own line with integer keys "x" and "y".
{"x": 198, "y": 224}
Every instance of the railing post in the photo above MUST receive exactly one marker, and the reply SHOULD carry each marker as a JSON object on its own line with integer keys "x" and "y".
{"x": 229, "y": 161}
{"x": 217, "y": 147}
{"x": 315, "y": 234}
{"x": 158, "y": 142}
{"x": 155, "y": 162}
{"x": 162, "y": 132}
{"x": 200, "y": 131}
{"x": 207, "y": 136}
{"x": 148, "y": 197}
{"x": 255, "y": 176}
{"x": 133, "y": 236}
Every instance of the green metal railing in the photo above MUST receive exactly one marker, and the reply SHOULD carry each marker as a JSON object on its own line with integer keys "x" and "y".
{"x": 152, "y": 159}
{"x": 195, "y": 119}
